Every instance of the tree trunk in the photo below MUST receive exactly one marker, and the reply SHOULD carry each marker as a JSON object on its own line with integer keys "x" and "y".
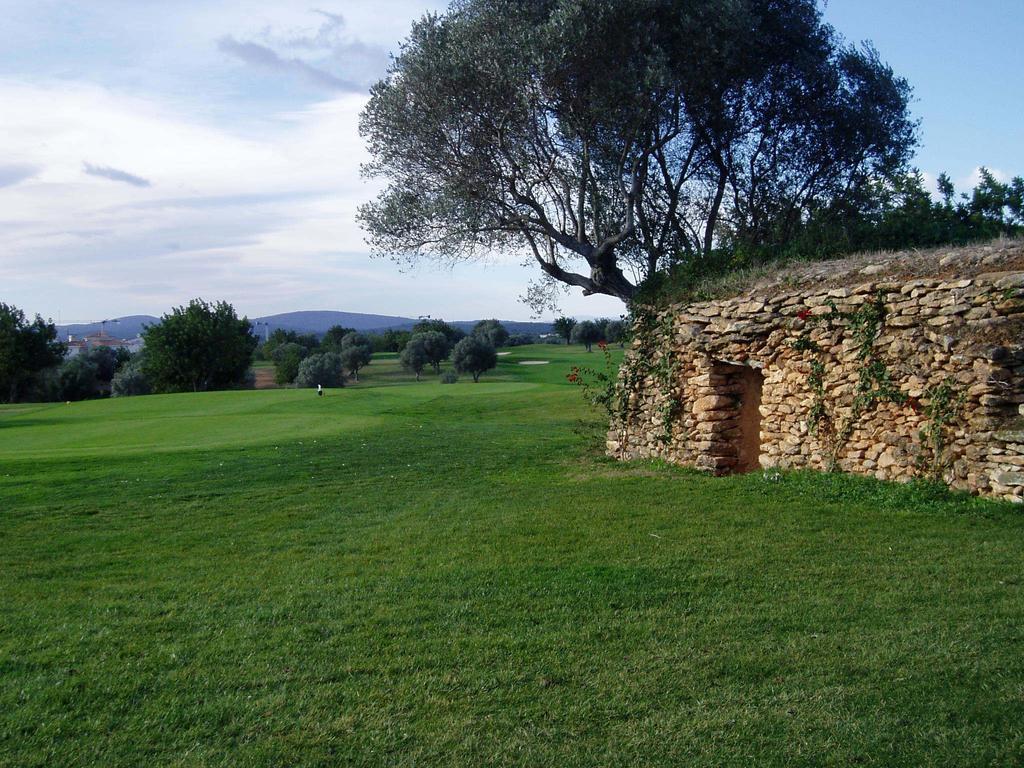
{"x": 709, "y": 230}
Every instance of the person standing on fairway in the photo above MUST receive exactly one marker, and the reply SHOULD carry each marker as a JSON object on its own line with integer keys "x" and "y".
{"x": 319, "y": 390}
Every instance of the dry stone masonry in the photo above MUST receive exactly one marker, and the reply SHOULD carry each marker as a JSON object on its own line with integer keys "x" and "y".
{"x": 864, "y": 368}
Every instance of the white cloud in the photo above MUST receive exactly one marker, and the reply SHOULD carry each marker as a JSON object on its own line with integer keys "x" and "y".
{"x": 253, "y": 182}
{"x": 263, "y": 216}
{"x": 215, "y": 194}
{"x": 969, "y": 182}
{"x": 962, "y": 184}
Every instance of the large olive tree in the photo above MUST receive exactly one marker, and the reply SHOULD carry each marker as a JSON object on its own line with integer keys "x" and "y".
{"x": 611, "y": 139}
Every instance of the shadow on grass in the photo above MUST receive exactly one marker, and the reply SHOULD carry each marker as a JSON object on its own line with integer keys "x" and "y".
{"x": 8, "y": 423}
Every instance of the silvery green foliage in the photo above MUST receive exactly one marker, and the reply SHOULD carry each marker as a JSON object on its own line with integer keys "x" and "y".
{"x": 415, "y": 356}
{"x": 587, "y": 333}
{"x": 492, "y": 331}
{"x": 324, "y": 369}
{"x": 474, "y": 355}
{"x": 356, "y": 352}
{"x": 130, "y": 381}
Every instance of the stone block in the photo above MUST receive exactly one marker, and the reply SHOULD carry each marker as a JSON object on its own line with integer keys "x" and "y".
{"x": 955, "y": 309}
{"x": 1010, "y": 479}
{"x": 714, "y": 403}
{"x": 1013, "y": 280}
{"x": 1010, "y": 436}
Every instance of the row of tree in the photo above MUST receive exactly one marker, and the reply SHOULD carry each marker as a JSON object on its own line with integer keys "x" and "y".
{"x": 205, "y": 346}
{"x": 194, "y": 348}
{"x": 879, "y": 215}
{"x": 308, "y": 360}
{"x": 473, "y": 354}
{"x": 590, "y": 332}
{"x": 297, "y": 356}
{"x": 901, "y": 213}
{"x": 34, "y": 365}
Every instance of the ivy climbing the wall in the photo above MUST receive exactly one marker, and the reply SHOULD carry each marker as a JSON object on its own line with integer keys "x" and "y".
{"x": 652, "y": 356}
{"x": 874, "y": 382}
{"x": 944, "y": 404}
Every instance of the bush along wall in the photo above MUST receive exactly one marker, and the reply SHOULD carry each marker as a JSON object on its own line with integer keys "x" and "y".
{"x": 902, "y": 378}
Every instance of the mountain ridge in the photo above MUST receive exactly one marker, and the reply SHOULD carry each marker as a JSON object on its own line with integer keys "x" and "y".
{"x": 301, "y": 321}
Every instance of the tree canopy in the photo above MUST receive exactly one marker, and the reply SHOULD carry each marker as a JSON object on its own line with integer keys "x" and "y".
{"x": 563, "y": 327}
{"x": 199, "y": 347}
{"x": 78, "y": 379}
{"x": 26, "y": 349}
{"x": 325, "y": 369}
{"x": 130, "y": 380}
{"x": 450, "y": 332}
{"x": 492, "y": 331}
{"x": 415, "y": 357}
{"x": 614, "y": 139}
{"x": 587, "y": 333}
{"x": 474, "y": 355}
{"x": 436, "y": 346}
{"x": 356, "y": 352}
{"x": 615, "y": 331}
{"x": 287, "y": 358}
{"x": 332, "y": 339}
{"x": 280, "y": 336}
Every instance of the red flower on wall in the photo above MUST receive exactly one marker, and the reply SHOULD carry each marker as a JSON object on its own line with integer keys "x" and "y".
{"x": 803, "y": 314}
{"x": 915, "y": 404}
{"x": 602, "y": 344}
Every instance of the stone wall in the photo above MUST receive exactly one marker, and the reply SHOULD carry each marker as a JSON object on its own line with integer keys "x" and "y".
{"x": 895, "y": 378}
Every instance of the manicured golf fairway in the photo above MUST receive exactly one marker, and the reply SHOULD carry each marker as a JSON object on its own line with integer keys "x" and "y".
{"x": 411, "y": 574}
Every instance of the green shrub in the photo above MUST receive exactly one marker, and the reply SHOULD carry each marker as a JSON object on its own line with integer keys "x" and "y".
{"x": 130, "y": 381}
{"x": 325, "y": 369}
{"x": 474, "y": 355}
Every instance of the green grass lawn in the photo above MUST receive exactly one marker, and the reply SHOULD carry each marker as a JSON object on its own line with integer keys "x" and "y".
{"x": 452, "y": 575}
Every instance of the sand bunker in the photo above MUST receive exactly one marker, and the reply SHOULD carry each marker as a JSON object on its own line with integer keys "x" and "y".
{"x": 534, "y": 362}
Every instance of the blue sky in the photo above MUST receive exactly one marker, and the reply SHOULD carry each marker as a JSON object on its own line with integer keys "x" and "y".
{"x": 153, "y": 152}
{"x": 965, "y": 60}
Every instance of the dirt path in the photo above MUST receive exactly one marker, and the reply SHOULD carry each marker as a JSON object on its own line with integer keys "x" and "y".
{"x": 265, "y": 378}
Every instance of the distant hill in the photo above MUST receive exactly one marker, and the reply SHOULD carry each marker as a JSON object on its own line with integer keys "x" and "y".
{"x": 122, "y": 327}
{"x": 302, "y": 322}
{"x": 321, "y": 321}
{"x": 512, "y": 326}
